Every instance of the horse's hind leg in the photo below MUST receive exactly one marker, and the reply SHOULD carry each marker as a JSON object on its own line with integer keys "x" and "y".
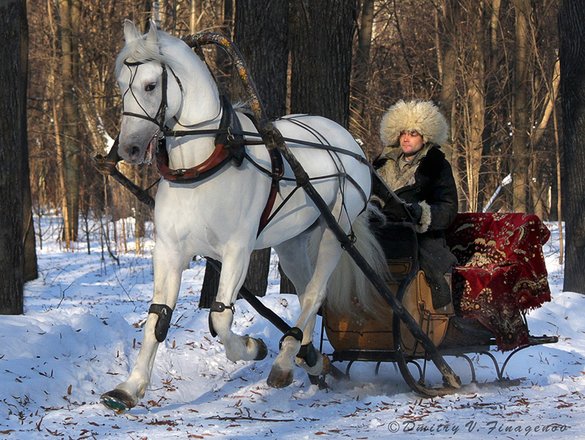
{"x": 168, "y": 267}
{"x": 234, "y": 268}
{"x": 281, "y": 374}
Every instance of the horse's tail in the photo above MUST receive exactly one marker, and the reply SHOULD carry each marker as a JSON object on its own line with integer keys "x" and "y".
{"x": 349, "y": 290}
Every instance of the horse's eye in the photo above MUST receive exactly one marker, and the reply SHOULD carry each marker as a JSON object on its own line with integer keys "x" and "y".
{"x": 149, "y": 87}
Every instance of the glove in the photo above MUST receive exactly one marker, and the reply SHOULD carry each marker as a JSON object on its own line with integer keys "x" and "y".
{"x": 403, "y": 212}
{"x": 415, "y": 212}
{"x": 396, "y": 210}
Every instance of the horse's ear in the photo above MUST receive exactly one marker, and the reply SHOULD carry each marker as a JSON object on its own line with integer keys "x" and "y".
{"x": 152, "y": 36}
{"x": 130, "y": 31}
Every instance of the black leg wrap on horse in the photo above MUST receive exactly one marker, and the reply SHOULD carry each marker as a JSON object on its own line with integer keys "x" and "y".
{"x": 295, "y": 332}
{"x": 309, "y": 354}
{"x": 216, "y": 306}
{"x": 163, "y": 323}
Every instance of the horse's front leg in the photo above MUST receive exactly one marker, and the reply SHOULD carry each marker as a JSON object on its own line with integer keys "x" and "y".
{"x": 168, "y": 267}
{"x": 233, "y": 274}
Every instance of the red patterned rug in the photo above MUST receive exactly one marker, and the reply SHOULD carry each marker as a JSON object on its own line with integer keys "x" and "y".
{"x": 501, "y": 272}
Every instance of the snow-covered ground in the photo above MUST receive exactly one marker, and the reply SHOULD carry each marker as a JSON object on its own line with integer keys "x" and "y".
{"x": 81, "y": 331}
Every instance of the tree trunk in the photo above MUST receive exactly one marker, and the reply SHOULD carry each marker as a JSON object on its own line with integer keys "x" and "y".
{"x": 540, "y": 184}
{"x": 361, "y": 71}
{"x": 141, "y": 211}
{"x": 210, "y": 285}
{"x": 261, "y": 35}
{"x": 69, "y": 13}
{"x": 490, "y": 170}
{"x": 31, "y": 271}
{"x": 257, "y": 277}
{"x": 474, "y": 112}
{"x": 321, "y": 52}
{"x": 13, "y": 153}
{"x": 572, "y": 56}
{"x": 521, "y": 111}
{"x": 321, "y": 73}
{"x": 447, "y": 53}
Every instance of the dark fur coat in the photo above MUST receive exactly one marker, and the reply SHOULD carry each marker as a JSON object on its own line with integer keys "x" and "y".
{"x": 433, "y": 184}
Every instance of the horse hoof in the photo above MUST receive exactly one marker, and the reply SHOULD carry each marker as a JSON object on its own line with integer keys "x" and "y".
{"x": 262, "y": 350}
{"x": 279, "y": 378}
{"x": 117, "y": 400}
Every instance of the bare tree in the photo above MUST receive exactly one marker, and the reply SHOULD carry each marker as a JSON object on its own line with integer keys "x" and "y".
{"x": 571, "y": 20}
{"x": 521, "y": 109}
{"x": 362, "y": 70}
{"x": 13, "y": 153}
{"x": 261, "y": 34}
{"x": 321, "y": 56}
{"x": 447, "y": 55}
{"x": 69, "y": 20}
{"x": 473, "y": 102}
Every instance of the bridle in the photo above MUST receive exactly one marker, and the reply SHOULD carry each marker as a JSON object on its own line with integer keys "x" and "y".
{"x": 159, "y": 118}
{"x": 229, "y": 139}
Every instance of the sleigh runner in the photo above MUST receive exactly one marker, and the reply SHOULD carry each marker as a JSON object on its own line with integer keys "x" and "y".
{"x": 159, "y": 77}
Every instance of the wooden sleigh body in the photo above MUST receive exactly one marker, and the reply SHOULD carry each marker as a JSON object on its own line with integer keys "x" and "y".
{"x": 495, "y": 251}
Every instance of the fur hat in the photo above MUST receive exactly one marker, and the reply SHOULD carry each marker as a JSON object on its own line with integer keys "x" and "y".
{"x": 422, "y": 116}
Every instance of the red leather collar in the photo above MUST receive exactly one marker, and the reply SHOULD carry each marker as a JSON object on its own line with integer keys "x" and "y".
{"x": 218, "y": 158}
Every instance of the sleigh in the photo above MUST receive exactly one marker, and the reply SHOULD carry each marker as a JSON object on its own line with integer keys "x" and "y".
{"x": 500, "y": 276}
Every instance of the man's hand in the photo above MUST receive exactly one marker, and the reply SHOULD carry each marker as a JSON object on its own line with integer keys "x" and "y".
{"x": 396, "y": 210}
{"x": 415, "y": 211}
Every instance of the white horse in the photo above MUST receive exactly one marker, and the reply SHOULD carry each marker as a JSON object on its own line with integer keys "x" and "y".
{"x": 166, "y": 86}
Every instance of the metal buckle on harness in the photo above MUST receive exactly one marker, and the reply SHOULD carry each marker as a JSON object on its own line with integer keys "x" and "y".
{"x": 230, "y": 136}
{"x": 179, "y": 172}
{"x": 218, "y": 307}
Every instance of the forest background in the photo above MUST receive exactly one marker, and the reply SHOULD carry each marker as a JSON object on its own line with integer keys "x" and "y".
{"x": 493, "y": 66}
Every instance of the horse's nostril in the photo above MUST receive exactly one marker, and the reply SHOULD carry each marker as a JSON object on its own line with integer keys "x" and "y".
{"x": 134, "y": 151}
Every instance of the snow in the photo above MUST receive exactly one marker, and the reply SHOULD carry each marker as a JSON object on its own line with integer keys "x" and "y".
{"x": 81, "y": 332}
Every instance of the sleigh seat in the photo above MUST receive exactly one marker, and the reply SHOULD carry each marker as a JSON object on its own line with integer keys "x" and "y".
{"x": 365, "y": 336}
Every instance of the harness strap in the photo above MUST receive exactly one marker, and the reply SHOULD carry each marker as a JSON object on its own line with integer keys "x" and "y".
{"x": 227, "y": 146}
{"x": 160, "y": 117}
{"x": 276, "y": 174}
{"x": 218, "y": 307}
{"x": 163, "y": 323}
{"x": 294, "y": 332}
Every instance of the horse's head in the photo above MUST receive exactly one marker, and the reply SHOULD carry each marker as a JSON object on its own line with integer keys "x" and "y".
{"x": 151, "y": 93}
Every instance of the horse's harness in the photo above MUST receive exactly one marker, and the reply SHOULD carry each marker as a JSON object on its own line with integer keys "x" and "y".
{"x": 230, "y": 142}
{"x": 229, "y": 145}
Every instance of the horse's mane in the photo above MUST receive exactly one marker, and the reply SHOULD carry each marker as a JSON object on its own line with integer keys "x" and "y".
{"x": 140, "y": 50}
